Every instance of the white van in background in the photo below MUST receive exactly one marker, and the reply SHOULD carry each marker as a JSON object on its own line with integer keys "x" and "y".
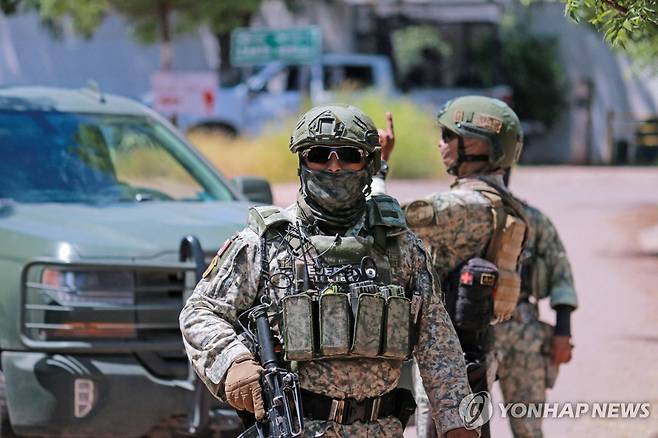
{"x": 278, "y": 91}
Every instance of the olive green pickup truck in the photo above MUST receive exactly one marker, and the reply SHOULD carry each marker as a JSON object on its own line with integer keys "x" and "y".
{"x": 96, "y": 194}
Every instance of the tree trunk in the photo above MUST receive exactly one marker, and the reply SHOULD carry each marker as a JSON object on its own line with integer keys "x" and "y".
{"x": 166, "y": 54}
{"x": 228, "y": 74}
{"x": 224, "y": 40}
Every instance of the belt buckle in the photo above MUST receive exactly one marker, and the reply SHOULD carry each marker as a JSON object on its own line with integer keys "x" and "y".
{"x": 337, "y": 411}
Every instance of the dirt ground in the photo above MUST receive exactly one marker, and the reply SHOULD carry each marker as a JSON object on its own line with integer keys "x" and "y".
{"x": 599, "y": 213}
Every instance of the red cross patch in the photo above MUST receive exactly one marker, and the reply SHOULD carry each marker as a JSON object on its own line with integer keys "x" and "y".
{"x": 466, "y": 278}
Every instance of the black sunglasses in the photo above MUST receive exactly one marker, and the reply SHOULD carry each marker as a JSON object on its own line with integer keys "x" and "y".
{"x": 447, "y": 135}
{"x": 345, "y": 154}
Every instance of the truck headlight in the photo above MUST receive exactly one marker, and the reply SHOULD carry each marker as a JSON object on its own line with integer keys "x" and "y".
{"x": 89, "y": 288}
{"x": 95, "y": 304}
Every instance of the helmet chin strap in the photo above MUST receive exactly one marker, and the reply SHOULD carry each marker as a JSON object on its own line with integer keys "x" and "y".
{"x": 462, "y": 157}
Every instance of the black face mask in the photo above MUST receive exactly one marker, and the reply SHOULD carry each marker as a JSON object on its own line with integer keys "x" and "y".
{"x": 337, "y": 199}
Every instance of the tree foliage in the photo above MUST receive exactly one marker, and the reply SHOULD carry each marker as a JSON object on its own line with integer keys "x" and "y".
{"x": 531, "y": 66}
{"x": 85, "y": 16}
{"x": 151, "y": 20}
{"x": 221, "y": 16}
{"x": 629, "y": 25}
{"x": 9, "y": 6}
{"x": 409, "y": 42}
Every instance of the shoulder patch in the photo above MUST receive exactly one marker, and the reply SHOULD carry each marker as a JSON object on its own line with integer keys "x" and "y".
{"x": 262, "y": 218}
{"x": 218, "y": 257}
{"x": 419, "y": 213}
{"x": 211, "y": 266}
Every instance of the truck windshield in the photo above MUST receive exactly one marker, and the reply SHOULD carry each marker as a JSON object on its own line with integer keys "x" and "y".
{"x": 67, "y": 157}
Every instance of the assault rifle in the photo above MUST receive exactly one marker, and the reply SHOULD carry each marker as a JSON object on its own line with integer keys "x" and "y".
{"x": 281, "y": 390}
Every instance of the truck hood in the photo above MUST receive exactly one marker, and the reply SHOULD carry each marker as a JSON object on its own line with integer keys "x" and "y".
{"x": 132, "y": 230}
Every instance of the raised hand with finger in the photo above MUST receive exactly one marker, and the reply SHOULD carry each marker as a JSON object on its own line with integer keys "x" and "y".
{"x": 387, "y": 137}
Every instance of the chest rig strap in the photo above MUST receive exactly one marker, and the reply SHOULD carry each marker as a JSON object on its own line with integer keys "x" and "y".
{"x": 260, "y": 220}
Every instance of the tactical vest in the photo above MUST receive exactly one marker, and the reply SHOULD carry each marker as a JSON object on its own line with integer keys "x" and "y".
{"x": 341, "y": 303}
{"x": 505, "y": 246}
{"x": 503, "y": 249}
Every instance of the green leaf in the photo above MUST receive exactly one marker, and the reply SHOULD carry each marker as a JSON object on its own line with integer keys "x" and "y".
{"x": 621, "y": 36}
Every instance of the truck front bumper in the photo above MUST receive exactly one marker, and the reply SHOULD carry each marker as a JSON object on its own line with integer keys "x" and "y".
{"x": 94, "y": 395}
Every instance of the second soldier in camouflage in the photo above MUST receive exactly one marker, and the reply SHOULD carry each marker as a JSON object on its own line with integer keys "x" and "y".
{"x": 475, "y": 231}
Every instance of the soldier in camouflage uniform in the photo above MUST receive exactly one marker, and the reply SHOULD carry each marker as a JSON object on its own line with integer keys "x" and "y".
{"x": 477, "y": 218}
{"x": 530, "y": 351}
{"x": 332, "y": 246}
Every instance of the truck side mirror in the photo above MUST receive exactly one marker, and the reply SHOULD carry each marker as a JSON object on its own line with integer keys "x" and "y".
{"x": 255, "y": 189}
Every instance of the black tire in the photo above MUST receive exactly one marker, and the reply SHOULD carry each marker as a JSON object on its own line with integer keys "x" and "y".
{"x": 5, "y": 427}
{"x": 216, "y": 128}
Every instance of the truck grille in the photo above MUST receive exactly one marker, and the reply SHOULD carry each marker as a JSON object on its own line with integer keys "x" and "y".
{"x": 141, "y": 318}
{"x": 160, "y": 303}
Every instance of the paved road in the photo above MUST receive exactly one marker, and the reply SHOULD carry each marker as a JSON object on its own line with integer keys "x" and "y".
{"x": 599, "y": 213}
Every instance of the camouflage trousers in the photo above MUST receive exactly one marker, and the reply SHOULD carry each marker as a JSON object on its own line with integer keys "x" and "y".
{"x": 519, "y": 359}
{"x": 522, "y": 379}
{"x": 521, "y": 347}
{"x": 389, "y": 427}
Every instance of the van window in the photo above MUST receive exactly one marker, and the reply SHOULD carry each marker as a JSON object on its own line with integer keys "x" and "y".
{"x": 287, "y": 79}
{"x": 353, "y": 77}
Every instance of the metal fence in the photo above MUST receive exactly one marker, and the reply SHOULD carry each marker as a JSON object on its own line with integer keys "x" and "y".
{"x": 632, "y": 138}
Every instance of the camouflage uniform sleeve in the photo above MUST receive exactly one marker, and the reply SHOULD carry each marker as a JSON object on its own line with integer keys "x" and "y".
{"x": 559, "y": 278}
{"x": 460, "y": 228}
{"x": 438, "y": 353}
{"x": 211, "y": 312}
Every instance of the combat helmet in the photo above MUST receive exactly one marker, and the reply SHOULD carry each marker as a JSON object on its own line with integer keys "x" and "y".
{"x": 337, "y": 125}
{"x": 488, "y": 119}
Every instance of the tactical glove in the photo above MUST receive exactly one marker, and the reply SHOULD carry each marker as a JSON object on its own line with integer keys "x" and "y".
{"x": 242, "y": 386}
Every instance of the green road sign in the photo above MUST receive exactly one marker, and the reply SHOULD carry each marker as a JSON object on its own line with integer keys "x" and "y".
{"x": 260, "y": 46}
